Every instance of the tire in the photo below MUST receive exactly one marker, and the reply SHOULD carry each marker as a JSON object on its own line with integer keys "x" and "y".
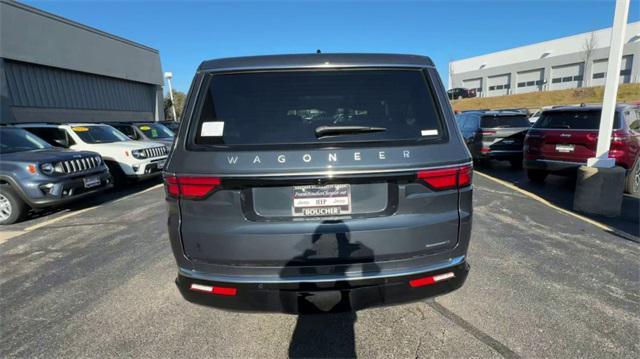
{"x": 632, "y": 182}
{"x": 119, "y": 179}
{"x": 12, "y": 207}
{"x": 537, "y": 176}
{"x": 516, "y": 164}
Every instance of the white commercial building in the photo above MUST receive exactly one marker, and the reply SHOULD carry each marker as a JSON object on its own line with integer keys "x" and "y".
{"x": 569, "y": 62}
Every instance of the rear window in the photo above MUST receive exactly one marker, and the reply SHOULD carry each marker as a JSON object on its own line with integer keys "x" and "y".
{"x": 287, "y": 107}
{"x": 504, "y": 121}
{"x": 156, "y": 131}
{"x": 573, "y": 120}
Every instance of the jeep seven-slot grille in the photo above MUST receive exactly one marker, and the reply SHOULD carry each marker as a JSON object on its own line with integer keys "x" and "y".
{"x": 155, "y": 151}
{"x": 79, "y": 165}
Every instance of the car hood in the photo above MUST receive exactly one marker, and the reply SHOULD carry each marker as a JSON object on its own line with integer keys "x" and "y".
{"x": 46, "y": 155}
{"x": 166, "y": 142}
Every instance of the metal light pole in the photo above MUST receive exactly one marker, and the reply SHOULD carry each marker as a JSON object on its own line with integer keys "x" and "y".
{"x": 602, "y": 160}
{"x": 169, "y": 76}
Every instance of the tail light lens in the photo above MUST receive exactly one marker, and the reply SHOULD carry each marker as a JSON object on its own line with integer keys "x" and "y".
{"x": 190, "y": 187}
{"x": 421, "y": 282}
{"x": 447, "y": 178}
{"x": 619, "y": 138}
{"x": 487, "y": 132}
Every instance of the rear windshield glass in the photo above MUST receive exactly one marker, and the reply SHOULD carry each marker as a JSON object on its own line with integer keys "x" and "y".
{"x": 288, "y": 107}
{"x": 16, "y": 140}
{"x": 99, "y": 134}
{"x": 573, "y": 120}
{"x": 504, "y": 121}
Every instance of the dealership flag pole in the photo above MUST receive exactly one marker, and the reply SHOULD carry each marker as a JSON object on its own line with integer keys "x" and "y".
{"x": 602, "y": 159}
{"x": 168, "y": 76}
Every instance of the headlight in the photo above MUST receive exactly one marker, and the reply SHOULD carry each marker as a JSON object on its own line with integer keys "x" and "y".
{"x": 98, "y": 160}
{"x": 139, "y": 154}
{"x": 47, "y": 168}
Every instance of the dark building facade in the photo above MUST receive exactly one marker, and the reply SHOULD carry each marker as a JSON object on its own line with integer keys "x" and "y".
{"x": 56, "y": 70}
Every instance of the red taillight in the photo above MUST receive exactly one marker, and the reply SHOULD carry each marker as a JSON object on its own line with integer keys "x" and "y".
{"x": 228, "y": 291}
{"x": 487, "y": 132}
{"x": 420, "y": 282}
{"x": 485, "y": 150}
{"x": 619, "y": 138}
{"x": 190, "y": 187}
{"x": 447, "y": 178}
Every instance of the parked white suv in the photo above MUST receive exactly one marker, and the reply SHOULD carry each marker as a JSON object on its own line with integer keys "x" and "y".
{"x": 125, "y": 158}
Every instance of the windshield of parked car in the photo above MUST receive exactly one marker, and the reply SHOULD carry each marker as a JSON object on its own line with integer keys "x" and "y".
{"x": 573, "y": 120}
{"x": 99, "y": 134}
{"x": 504, "y": 121}
{"x": 18, "y": 140}
{"x": 302, "y": 107}
{"x": 156, "y": 131}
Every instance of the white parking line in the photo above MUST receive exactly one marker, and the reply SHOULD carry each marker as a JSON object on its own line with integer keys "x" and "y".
{"x": 545, "y": 202}
{"x": 6, "y": 235}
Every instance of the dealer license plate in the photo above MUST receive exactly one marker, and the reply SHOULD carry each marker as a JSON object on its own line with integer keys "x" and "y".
{"x": 327, "y": 200}
{"x": 91, "y": 181}
{"x": 564, "y": 148}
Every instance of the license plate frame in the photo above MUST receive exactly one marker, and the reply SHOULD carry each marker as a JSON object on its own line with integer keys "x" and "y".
{"x": 565, "y": 148}
{"x": 91, "y": 181}
{"x": 321, "y": 200}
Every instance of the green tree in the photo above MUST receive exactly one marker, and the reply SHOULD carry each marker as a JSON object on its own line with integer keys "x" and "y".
{"x": 178, "y": 98}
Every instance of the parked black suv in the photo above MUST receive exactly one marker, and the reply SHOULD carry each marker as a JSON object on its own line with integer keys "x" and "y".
{"x": 459, "y": 92}
{"x": 318, "y": 182}
{"x": 495, "y": 135}
{"x": 34, "y": 174}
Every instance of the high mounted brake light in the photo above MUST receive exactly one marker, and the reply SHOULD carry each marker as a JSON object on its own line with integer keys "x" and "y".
{"x": 447, "y": 178}
{"x": 190, "y": 187}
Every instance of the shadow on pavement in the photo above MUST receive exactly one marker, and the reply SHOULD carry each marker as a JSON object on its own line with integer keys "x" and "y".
{"x": 329, "y": 335}
{"x": 559, "y": 190}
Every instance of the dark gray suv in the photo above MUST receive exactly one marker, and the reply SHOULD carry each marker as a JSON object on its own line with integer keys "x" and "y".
{"x": 320, "y": 182}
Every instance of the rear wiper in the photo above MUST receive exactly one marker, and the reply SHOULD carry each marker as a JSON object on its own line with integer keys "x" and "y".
{"x": 323, "y": 131}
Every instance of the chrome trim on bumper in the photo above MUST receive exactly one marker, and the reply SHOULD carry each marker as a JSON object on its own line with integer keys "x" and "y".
{"x": 319, "y": 278}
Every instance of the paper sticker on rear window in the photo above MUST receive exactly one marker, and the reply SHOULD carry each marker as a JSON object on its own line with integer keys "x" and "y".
{"x": 80, "y": 129}
{"x": 429, "y": 132}
{"x": 212, "y": 129}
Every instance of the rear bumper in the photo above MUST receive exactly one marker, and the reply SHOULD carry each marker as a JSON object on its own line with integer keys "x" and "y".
{"x": 294, "y": 297}
{"x": 552, "y": 166}
{"x": 502, "y": 154}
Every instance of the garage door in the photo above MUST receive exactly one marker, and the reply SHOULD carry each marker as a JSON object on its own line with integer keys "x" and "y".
{"x": 473, "y": 84}
{"x": 599, "y": 71}
{"x": 530, "y": 81}
{"x": 567, "y": 76}
{"x": 498, "y": 85}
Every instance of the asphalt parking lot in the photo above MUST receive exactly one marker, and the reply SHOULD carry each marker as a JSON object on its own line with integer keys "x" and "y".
{"x": 96, "y": 280}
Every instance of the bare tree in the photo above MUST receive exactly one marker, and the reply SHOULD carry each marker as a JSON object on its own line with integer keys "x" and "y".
{"x": 588, "y": 47}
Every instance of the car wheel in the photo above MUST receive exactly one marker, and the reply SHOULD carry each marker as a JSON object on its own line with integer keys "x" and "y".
{"x": 119, "y": 178}
{"x": 12, "y": 208}
{"x": 632, "y": 183}
{"x": 516, "y": 164}
{"x": 537, "y": 176}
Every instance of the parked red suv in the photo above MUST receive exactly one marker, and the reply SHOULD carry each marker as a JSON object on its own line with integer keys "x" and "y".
{"x": 565, "y": 137}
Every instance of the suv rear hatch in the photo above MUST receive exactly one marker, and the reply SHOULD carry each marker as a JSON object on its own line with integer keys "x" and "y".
{"x": 317, "y": 167}
{"x": 503, "y": 132}
{"x": 566, "y": 135}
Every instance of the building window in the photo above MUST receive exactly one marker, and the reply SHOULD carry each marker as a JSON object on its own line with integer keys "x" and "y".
{"x": 626, "y": 72}
{"x": 491, "y": 88}
{"x": 530, "y": 83}
{"x": 539, "y": 83}
{"x": 556, "y": 80}
{"x": 598, "y": 75}
{"x": 577, "y": 78}
{"x": 507, "y": 86}
{"x": 522, "y": 84}
{"x": 567, "y": 79}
